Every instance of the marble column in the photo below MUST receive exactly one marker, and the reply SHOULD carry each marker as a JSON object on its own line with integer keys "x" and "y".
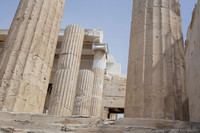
{"x": 99, "y": 65}
{"x": 156, "y": 67}
{"x": 64, "y": 86}
{"x": 83, "y": 97}
{"x": 27, "y": 57}
{"x": 113, "y": 116}
{"x": 193, "y": 64}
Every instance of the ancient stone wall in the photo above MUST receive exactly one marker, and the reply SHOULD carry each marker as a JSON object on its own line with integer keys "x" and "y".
{"x": 193, "y": 65}
{"x": 114, "y": 92}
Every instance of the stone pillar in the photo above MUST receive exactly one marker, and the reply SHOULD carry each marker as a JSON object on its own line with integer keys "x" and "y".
{"x": 64, "y": 86}
{"x": 27, "y": 58}
{"x": 113, "y": 116}
{"x": 99, "y": 65}
{"x": 193, "y": 65}
{"x": 156, "y": 68}
{"x": 84, "y": 88}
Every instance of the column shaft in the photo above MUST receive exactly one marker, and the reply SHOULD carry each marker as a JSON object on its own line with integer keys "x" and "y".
{"x": 84, "y": 88}
{"x": 156, "y": 75}
{"x": 113, "y": 116}
{"x": 64, "y": 86}
{"x": 193, "y": 64}
{"x": 27, "y": 58}
{"x": 99, "y": 65}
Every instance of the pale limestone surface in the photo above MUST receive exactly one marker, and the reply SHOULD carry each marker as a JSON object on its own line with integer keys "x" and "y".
{"x": 26, "y": 123}
{"x": 193, "y": 65}
{"x": 114, "y": 92}
{"x": 27, "y": 58}
{"x": 64, "y": 87}
{"x": 99, "y": 66}
{"x": 82, "y": 103}
{"x": 156, "y": 72}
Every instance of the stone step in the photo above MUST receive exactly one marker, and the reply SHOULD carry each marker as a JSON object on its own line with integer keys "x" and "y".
{"x": 36, "y": 126}
{"x": 129, "y": 129}
{"x": 46, "y": 123}
{"x": 15, "y": 130}
{"x": 157, "y": 123}
{"x": 51, "y": 119}
{"x": 34, "y": 123}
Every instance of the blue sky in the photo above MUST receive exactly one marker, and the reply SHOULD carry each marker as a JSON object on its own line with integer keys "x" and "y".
{"x": 113, "y": 16}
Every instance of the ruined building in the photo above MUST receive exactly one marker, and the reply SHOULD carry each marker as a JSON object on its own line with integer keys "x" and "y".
{"x": 114, "y": 81}
{"x": 65, "y": 80}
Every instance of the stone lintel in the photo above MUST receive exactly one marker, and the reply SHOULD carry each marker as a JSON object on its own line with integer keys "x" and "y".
{"x": 93, "y": 35}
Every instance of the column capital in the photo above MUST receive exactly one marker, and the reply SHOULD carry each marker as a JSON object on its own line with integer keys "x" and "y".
{"x": 100, "y": 46}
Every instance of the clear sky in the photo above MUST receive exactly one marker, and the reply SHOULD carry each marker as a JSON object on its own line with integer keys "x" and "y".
{"x": 113, "y": 16}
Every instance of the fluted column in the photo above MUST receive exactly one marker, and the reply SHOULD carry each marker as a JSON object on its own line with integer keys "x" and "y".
{"x": 99, "y": 65}
{"x": 156, "y": 72}
{"x": 64, "y": 86}
{"x": 193, "y": 64}
{"x": 27, "y": 58}
{"x": 83, "y": 97}
{"x": 113, "y": 116}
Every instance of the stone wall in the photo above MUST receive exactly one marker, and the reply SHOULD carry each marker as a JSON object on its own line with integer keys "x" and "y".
{"x": 32, "y": 123}
{"x": 114, "y": 92}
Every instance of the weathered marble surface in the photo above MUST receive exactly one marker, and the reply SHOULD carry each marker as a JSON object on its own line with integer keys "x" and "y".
{"x": 99, "y": 66}
{"x": 193, "y": 65}
{"x": 114, "y": 92}
{"x": 26, "y": 123}
{"x": 27, "y": 57}
{"x": 156, "y": 68}
{"x": 64, "y": 87}
{"x": 82, "y": 103}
